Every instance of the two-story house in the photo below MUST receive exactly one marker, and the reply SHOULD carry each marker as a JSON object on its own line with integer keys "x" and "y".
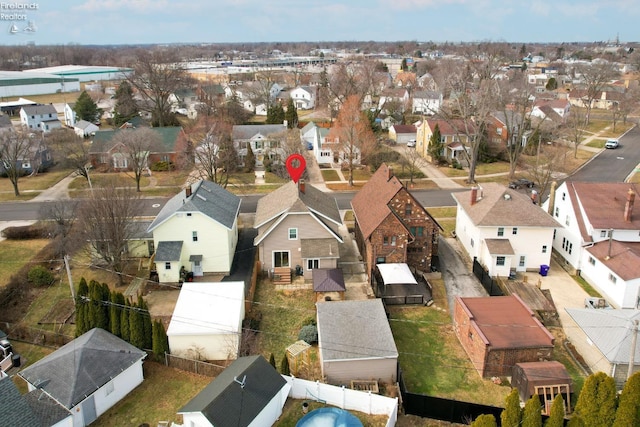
{"x": 426, "y": 102}
{"x": 503, "y": 230}
{"x": 391, "y": 225}
{"x": 304, "y": 97}
{"x": 453, "y": 136}
{"x": 503, "y": 127}
{"x": 398, "y": 96}
{"x": 313, "y": 138}
{"x": 298, "y": 228}
{"x": 40, "y": 117}
{"x": 553, "y": 109}
{"x": 196, "y": 230}
{"x": 600, "y": 236}
{"x": 262, "y": 140}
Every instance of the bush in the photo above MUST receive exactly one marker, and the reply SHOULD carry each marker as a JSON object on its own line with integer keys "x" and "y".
{"x": 162, "y": 166}
{"x": 309, "y": 334}
{"x": 40, "y": 276}
{"x": 25, "y": 232}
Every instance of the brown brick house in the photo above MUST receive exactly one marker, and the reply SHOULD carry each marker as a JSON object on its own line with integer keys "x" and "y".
{"x": 391, "y": 225}
{"x": 498, "y": 332}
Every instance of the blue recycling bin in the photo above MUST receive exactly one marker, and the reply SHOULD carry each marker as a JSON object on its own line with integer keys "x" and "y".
{"x": 544, "y": 269}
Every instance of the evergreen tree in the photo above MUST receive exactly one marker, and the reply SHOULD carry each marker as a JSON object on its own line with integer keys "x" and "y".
{"x": 556, "y": 415}
{"x": 435, "y": 145}
{"x": 82, "y": 308}
{"x": 249, "y": 160}
{"x": 124, "y": 322}
{"x": 114, "y": 314}
{"x": 93, "y": 313}
{"x": 83, "y": 288}
{"x": 272, "y": 361}
{"x": 86, "y": 109}
{"x": 486, "y": 420}
{"x": 512, "y": 413}
{"x": 146, "y": 322}
{"x": 126, "y": 107}
{"x": 596, "y": 406}
{"x": 628, "y": 412}
{"x": 532, "y": 415}
{"x": 136, "y": 327}
{"x": 291, "y": 115}
{"x": 160, "y": 340}
{"x": 284, "y": 365}
{"x": 552, "y": 84}
{"x": 275, "y": 114}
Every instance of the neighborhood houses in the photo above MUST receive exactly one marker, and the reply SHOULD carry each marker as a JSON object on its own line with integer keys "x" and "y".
{"x": 453, "y": 238}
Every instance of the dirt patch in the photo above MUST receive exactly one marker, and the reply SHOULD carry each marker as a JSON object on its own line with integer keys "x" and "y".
{"x": 162, "y": 302}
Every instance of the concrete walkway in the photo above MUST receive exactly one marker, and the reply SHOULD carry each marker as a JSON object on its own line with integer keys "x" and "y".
{"x": 59, "y": 191}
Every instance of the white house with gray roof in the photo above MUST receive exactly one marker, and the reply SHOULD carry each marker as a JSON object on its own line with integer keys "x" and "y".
{"x": 196, "y": 229}
{"x": 355, "y": 342}
{"x": 263, "y": 140}
{"x": 503, "y": 229}
{"x": 88, "y": 375}
{"x": 40, "y": 117}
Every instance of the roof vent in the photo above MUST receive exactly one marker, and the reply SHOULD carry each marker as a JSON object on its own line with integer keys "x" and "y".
{"x": 200, "y": 196}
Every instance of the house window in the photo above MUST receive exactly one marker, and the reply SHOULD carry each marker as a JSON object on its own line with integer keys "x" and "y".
{"x": 554, "y": 234}
{"x": 313, "y": 263}
{"x": 167, "y": 266}
{"x": 381, "y": 260}
{"x": 281, "y": 258}
{"x": 570, "y": 248}
{"x": 500, "y": 260}
{"x": 557, "y": 211}
{"x": 258, "y": 145}
{"x": 592, "y": 260}
{"x": 514, "y": 230}
{"x": 385, "y": 240}
{"x": 194, "y": 236}
{"x": 417, "y": 231}
{"x": 522, "y": 261}
{"x": 293, "y": 234}
{"x": 603, "y": 233}
{"x": 188, "y": 213}
{"x": 613, "y": 279}
{"x": 544, "y": 249}
{"x": 564, "y": 195}
{"x": 500, "y": 231}
{"x": 472, "y": 242}
{"x": 566, "y": 221}
{"x": 407, "y": 209}
{"x": 393, "y": 240}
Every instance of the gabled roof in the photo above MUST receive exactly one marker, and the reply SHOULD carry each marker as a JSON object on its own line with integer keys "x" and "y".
{"x": 426, "y": 94}
{"x": 167, "y": 139}
{"x": 168, "y": 251}
{"x": 506, "y": 322}
{"x": 83, "y": 124}
{"x": 245, "y": 132}
{"x": 622, "y": 258}
{"x": 289, "y": 199}
{"x": 79, "y": 368}
{"x": 40, "y": 109}
{"x": 14, "y": 409}
{"x": 450, "y": 127}
{"x": 404, "y": 129}
{"x": 207, "y": 198}
{"x": 609, "y": 330}
{"x": 207, "y": 308}
{"x": 328, "y": 280}
{"x": 226, "y": 403}
{"x": 499, "y": 206}
{"x": 355, "y": 329}
{"x": 499, "y": 246}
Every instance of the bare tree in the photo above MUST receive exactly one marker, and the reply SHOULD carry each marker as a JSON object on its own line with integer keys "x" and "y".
{"x": 550, "y": 160}
{"x": 216, "y": 157}
{"x": 285, "y": 143}
{"x": 60, "y": 217}
{"x": 107, "y": 221}
{"x": 353, "y": 134}
{"x": 595, "y": 77}
{"x": 413, "y": 161}
{"x": 15, "y": 148}
{"x": 574, "y": 130}
{"x": 71, "y": 150}
{"x": 137, "y": 144}
{"x": 629, "y": 102}
{"x": 156, "y": 76}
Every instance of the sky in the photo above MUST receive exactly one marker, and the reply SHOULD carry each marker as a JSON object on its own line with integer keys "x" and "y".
{"x": 102, "y": 22}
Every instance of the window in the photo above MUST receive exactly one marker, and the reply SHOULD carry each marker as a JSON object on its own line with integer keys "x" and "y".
{"x": 500, "y": 231}
{"x": 566, "y": 221}
{"x": 522, "y": 261}
{"x": 514, "y": 230}
{"x": 194, "y": 236}
{"x": 613, "y": 279}
{"x": 592, "y": 260}
{"x": 258, "y": 145}
{"x": 188, "y": 213}
{"x": 603, "y": 233}
{"x": 500, "y": 260}
{"x": 472, "y": 242}
{"x": 407, "y": 209}
{"x": 108, "y": 388}
{"x": 167, "y": 266}
{"x": 393, "y": 240}
{"x": 544, "y": 249}
{"x": 417, "y": 231}
{"x": 557, "y": 211}
{"x": 281, "y": 258}
{"x": 554, "y": 234}
{"x": 381, "y": 260}
{"x": 570, "y": 248}
{"x": 293, "y": 234}
{"x": 564, "y": 195}
{"x": 312, "y": 263}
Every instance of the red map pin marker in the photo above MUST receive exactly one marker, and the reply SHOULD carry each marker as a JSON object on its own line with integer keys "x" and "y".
{"x": 295, "y": 166}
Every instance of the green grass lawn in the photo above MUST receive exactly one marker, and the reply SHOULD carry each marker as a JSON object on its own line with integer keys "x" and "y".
{"x": 15, "y": 254}
{"x": 444, "y": 212}
{"x": 330, "y": 175}
{"x": 448, "y": 225}
{"x": 596, "y": 143}
{"x": 39, "y": 182}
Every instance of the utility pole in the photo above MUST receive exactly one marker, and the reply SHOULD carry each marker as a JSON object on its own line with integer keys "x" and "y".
{"x": 632, "y": 348}
{"x": 66, "y": 265}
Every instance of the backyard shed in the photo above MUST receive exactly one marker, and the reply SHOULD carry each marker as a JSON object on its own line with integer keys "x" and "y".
{"x": 546, "y": 379}
{"x": 328, "y": 284}
{"x": 207, "y": 321}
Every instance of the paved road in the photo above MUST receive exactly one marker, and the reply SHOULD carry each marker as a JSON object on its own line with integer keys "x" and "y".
{"x": 13, "y": 211}
{"x": 613, "y": 165}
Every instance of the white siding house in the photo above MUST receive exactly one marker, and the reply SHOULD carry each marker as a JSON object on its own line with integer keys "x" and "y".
{"x": 304, "y": 97}
{"x": 426, "y": 102}
{"x": 40, "y": 117}
{"x": 313, "y": 138}
{"x": 196, "y": 230}
{"x": 207, "y": 321}
{"x": 503, "y": 229}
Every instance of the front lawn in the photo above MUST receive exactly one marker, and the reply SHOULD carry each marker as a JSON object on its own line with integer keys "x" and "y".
{"x": 15, "y": 254}
{"x": 330, "y": 175}
{"x": 38, "y": 182}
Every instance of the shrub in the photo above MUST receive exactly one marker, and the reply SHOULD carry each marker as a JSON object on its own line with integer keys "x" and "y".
{"x": 40, "y": 276}
{"x": 25, "y": 232}
{"x": 162, "y": 166}
{"x": 309, "y": 334}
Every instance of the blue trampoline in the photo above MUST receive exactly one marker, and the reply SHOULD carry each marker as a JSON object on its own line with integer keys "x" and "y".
{"x": 329, "y": 417}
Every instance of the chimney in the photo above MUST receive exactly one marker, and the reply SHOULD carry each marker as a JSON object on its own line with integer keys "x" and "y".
{"x": 628, "y": 207}
{"x": 474, "y": 195}
{"x": 188, "y": 191}
{"x": 301, "y": 186}
{"x": 389, "y": 173}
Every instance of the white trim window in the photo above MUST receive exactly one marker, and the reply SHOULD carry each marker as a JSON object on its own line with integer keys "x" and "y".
{"x": 293, "y": 234}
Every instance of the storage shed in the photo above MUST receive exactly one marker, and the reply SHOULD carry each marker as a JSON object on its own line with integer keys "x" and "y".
{"x": 546, "y": 379}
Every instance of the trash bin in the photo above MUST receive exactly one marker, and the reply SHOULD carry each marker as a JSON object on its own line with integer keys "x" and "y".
{"x": 15, "y": 359}
{"x": 544, "y": 269}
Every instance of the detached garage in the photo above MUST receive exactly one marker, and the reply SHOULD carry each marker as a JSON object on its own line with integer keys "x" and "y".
{"x": 207, "y": 321}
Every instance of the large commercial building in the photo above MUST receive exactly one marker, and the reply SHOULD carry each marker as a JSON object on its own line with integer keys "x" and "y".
{"x": 85, "y": 73}
{"x": 20, "y": 83}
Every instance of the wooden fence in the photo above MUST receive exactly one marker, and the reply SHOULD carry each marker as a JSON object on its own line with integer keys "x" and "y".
{"x": 191, "y": 365}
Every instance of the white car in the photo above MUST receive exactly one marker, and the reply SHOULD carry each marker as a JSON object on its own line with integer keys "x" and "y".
{"x": 411, "y": 143}
{"x": 611, "y": 143}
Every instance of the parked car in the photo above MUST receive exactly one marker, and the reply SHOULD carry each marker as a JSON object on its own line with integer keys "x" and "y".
{"x": 611, "y": 143}
{"x": 411, "y": 143}
{"x": 522, "y": 182}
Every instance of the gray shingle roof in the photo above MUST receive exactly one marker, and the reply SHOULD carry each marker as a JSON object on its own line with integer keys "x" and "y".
{"x": 207, "y": 198}
{"x": 79, "y": 368}
{"x": 83, "y": 124}
{"x": 242, "y": 132}
{"x": 168, "y": 251}
{"x": 356, "y": 329}
{"x": 226, "y": 404}
{"x": 14, "y": 409}
{"x": 499, "y": 246}
{"x": 319, "y": 248}
{"x": 47, "y": 410}
{"x": 609, "y": 330}
{"x": 40, "y": 109}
